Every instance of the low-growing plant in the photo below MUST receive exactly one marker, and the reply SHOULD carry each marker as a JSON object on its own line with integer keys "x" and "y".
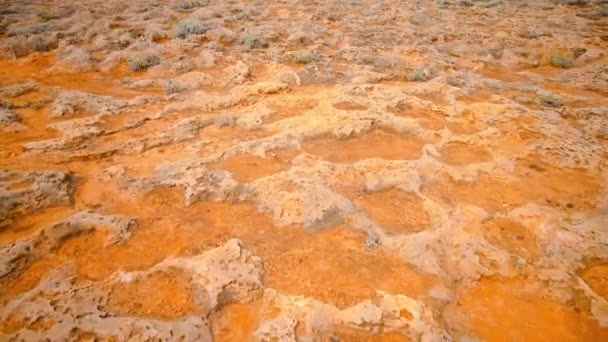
{"x": 144, "y": 9}
{"x": 241, "y": 16}
{"x": 182, "y": 65}
{"x": 17, "y": 89}
{"x": 7, "y": 116}
{"x": 187, "y": 5}
{"x": 575, "y": 2}
{"x": 530, "y": 33}
{"x": 297, "y": 39}
{"x": 551, "y": 101}
{"x": 251, "y": 41}
{"x": 189, "y": 26}
{"x": 170, "y": 88}
{"x": 222, "y": 35}
{"x": 42, "y": 45}
{"x": 372, "y": 240}
{"x": 600, "y": 12}
{"x": 487, "y": 3}
{"x": 443, "y": 3}
{"x": 304, "y": 57}
{"x": 143, "y": 62}
{"x": 224, "y": 120}
{"x": 6, "y": 218}
{"x": 54, "y": 13}
{"x": 381, "y": 63}
{"x": 156, "y": 35}
{"x": 47, "y": 15}
{"x": 561, "y": 60}
{"x": 596, "y": 13}
{"x": 235, "y": 195}
{"x": 334, "y": 17}
{"x": 30, "y": 29}
{"x": 7, "y": 11}
{"x": 418, "y": 75}
{"x": 578, "y": 51}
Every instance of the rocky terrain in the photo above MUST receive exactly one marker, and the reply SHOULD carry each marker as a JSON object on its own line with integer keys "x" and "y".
{"x": 202, "y": 170}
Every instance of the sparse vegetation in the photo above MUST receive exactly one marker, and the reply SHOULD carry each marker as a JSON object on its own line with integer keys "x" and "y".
{"x": 578, "y": 51}
{"x": 381, "y": 63}
{"x": 530, "y": 33}
{"x": 596, "y": 13}
{"x": 222, "y": 35}
{"x": 372, "y": 240}
{"x": 487, "y": 3}
{"x": 241, "y": 16}
{"x": 184, "y": 6}
{"x": 18, "y": 89}
{"x": 334, "y": 17}
{"x": 304, "y": 57}
{"x": 6, "y": 218}
{"x": 182, "y": 65}
{"x": 156, "y": 35}
{"x": 48, "y": 15}
{"x": 144, "y": 61}
{"x": 562, "y": 60}
{"x": 418, "y": 75}
{"x": 575, "y": 2}
{"x": 551, "y": 101}
{"x": 468, "y": 3}
{"x": 251, "y": 41}
{"x": 443, "y": 3}
{"x": 7, "y": 11}
{"x": 297, "y": 39}
{"x": 7, "y": 117}
{"x": 224, "y": 120}
{"x": 41, "y": 44}
{"x": 53, "y": 13}
{"x": 170, "y": 88}
{"x": 29, "y": 29}
{"x": 188, "y": 27}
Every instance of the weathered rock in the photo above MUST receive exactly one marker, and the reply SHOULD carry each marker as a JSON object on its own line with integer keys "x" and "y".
{"x": 18, "y": 89}
{"x": 43, "y": 189}
{"x": 228, "y": 274}
{"x": 72, "y": 58}
{"x": 10, "y": 121}
{"x": 22, "y": 252}
{"x": 384, "y": 312}
{"x": 72, "y": 308}
{"x": 197, "y": 182}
